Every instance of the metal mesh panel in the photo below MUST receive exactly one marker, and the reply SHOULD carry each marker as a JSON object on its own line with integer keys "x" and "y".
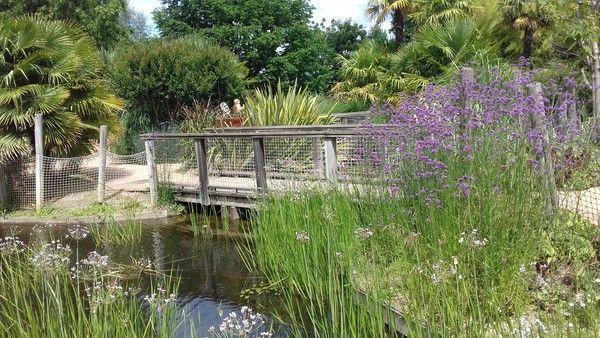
{"x": 69, "y": 180}
{"x": 585, "y": 203}
{"x": 176, "y": 163}
{"x": 231, "y": 164}
{"x": 293, "y": 162}
{"x": 352, "y": 164}
{"x": 20, "y": 187}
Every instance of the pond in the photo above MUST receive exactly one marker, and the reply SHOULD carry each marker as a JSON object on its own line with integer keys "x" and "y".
{"x": 214, "y": 280}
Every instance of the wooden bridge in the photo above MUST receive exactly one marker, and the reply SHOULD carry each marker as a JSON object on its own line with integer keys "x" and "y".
{"x": 234, "y": 166}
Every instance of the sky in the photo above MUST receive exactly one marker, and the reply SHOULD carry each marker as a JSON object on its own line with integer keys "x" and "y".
{"x": 324, "y": 9}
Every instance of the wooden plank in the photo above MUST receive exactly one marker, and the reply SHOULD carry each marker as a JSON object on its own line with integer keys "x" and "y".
{"x": 39, "y": 162}
{"x": 152, "y": 172}
{"x": 3, "y": 187}
{"x": 259, "y": 164}
{"x": 102, "y": 163}
{"x": 331, "y": 167}
{"x": 202, "y": 161}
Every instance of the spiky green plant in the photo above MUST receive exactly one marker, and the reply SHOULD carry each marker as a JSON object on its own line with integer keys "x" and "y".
{"x": 51, "y": 68}
{"x": 292, "y": 107}
{"x": 528, "y": 16}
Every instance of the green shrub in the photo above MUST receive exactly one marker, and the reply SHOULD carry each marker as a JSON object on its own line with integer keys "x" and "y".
{"x": 296, "y": 106}
{"x": 158, "y": 78}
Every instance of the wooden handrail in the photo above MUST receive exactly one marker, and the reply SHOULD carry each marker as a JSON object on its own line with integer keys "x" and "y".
{"x": 273, "y": 132}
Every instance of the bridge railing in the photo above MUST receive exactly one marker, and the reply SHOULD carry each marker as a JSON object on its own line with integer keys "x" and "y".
{"x": 253, "y": 160}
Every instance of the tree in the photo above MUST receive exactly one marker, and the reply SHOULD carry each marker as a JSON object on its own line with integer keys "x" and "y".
{"x": 101, "y": 19}
{"x": 51, "y": 68}
{"x": 344, "y": 36}
{"x": 160, "y": 77}
{"x": 273, "y": 37}
{"x": 528, "y": 16}
{"x": 379, "y": 10}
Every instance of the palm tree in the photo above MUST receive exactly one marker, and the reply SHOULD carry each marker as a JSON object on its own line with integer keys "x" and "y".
{"x": 379, "y": 10}
{"x": 440, "y": 11}
{"x": 51, "y": 68}
{"x": 528, "y": 16}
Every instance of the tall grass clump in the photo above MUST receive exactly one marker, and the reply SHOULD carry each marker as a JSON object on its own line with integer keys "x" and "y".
{"x": 114, "y": 232}
{"x": 47, "y": 291}
{"x": 450, "y": 227}
{"x": 294, "y": 106}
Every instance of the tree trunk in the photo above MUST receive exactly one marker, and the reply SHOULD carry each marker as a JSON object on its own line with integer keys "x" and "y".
{"x": 527, "y": 43}
{"x": 398, "y": 27}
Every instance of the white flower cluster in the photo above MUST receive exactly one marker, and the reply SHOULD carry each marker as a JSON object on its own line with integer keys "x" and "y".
{"x": 302, "y": 236}
{"x": 11, "y": 245}
{"x": 53, "y": 256}
{"x": 77, "y": 232}
{"x": 240, "y": 325}
{"x": 159, "y": 299}
{"x": 473, "y": 239}
{"x": 363, "y": 233}
{"x": 93, "y": 264}
{"x": 100, "y": 294}
{"x": 442, "y": 271}
{"x": 43, "y": 228}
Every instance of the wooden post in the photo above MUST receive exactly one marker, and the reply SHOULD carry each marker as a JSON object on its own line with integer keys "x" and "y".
{"x": 259, "y": 164}
{"x": 467, "y": 81}
{"x": 102, "y": 163}
{"x": 152, "y": 172}
{"x": 317, "y": 149}
{"x": 331, "y": 165}
{"x": 39, "y": 162}
{"x": 545, "y": 159}
{"x": 202, "y": 161}
{"x": 572, "y": 115}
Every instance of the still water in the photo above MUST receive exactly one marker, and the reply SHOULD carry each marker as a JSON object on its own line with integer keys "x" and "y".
{"x": 214, "y": 277}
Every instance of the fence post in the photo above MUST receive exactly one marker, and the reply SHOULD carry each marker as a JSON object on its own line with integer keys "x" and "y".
{"x": 259, "y": 164}
{"x": 467, "y": 81}
{"x": 152, "y": 172}
{"x": 202, "y": 161}
{"x": 39, "y": 162}
{"x": 102, "y": 163}
{"x": 545, "y": 158}
{"x": 317, "y": 149}
{"x": 331, "y": 165}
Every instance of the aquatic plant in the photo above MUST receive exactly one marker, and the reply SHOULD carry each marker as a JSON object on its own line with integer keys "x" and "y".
{"x": 116, "y": 232}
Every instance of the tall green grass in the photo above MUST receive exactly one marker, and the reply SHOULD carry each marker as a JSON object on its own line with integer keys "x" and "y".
{"x": 117, "y": 232}
{"x": 453, "y": 261}
{"x": 40, "y": 296}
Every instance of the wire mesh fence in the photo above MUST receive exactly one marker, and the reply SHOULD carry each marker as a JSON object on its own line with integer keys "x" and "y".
{"x": 71, "y": 183}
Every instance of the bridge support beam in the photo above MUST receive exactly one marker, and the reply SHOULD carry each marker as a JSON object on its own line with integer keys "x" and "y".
{"x": 259, "y": 164}
{"x": 331, "y": 163}
{"x": 202, "y": 161}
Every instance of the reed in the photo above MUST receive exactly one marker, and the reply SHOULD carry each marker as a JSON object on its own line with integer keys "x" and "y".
{"x": 113, "y": 232}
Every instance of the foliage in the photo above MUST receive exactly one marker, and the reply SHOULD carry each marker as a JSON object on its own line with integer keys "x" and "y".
{"x": 273, "y": 37}
{"x": 294, "y": 106}
{"x": 158, "y": 78}
{"x": 528, "y": 16}
{"x": 440, "y": 11}
{"x": 344, "y": 36}
{"x": 365, "y": 75}
{"x": 380, "y": 10}
{"x": 102, "y": 20}
{"x": 51, "y": 68}
{"x": 375, "y": 75}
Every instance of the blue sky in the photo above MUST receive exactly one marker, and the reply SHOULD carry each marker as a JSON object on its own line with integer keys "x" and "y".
{"x": 324, "y": 9}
